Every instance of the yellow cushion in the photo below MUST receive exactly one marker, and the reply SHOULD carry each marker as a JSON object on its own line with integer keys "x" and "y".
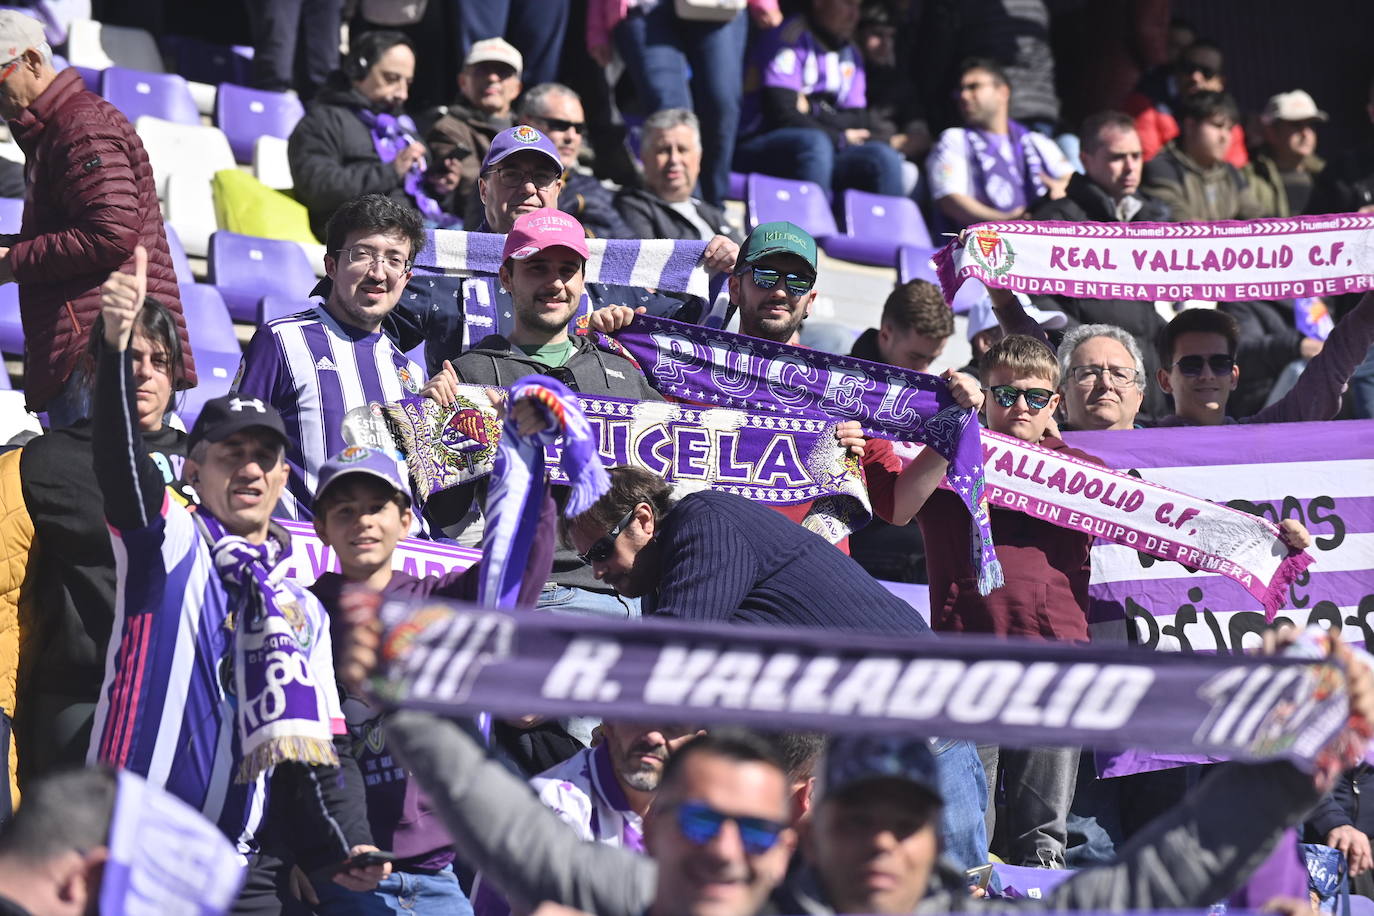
{"x": 247, "y": 206}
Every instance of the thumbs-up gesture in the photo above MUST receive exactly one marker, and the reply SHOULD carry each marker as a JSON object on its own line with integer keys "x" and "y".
{"x": 121, "y": 298}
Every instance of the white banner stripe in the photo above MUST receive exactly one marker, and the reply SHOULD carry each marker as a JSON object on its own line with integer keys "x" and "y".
{"x": 1115, "y": 563}
{"x": 1301, "y": 479}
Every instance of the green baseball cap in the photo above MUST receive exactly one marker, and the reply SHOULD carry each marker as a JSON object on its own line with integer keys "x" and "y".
{"x": 778, "y": 237}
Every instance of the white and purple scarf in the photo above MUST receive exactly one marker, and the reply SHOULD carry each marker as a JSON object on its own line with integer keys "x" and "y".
{"x": 282, "y": 713}
{"x": 994, "y": 179}
{"x": 1216, "y": 262}
{"x": 391, "y": 134}
{"x": 516, "y": 489}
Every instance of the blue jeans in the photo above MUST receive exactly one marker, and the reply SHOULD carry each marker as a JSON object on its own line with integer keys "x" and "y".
{"x": 400, "y": 892}
{"x": 963, "y": 831}
{"x": 72, "y": 404}
{"x": 581, "y": 602}
{"x": 535, "y": 27}
{"x": 808, "y": 154}
{"x": 657, "y": 48}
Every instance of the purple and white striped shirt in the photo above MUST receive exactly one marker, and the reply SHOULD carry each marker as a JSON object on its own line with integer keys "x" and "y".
{"x": 315, "y": 370}
{"x": 166, "y": 710}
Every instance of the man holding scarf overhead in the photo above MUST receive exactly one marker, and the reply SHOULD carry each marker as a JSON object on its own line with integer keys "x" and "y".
{"x": 219, "y": 684}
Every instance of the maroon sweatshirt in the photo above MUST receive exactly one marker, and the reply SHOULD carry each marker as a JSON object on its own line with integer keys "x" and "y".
{"x": 1045, "y": 567}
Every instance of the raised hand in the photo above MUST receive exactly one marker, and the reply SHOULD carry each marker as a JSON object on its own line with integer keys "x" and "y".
{"x": 121, "y": 298}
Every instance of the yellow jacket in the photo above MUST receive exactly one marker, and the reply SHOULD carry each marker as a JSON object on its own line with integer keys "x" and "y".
{"x": 16, "y": 538}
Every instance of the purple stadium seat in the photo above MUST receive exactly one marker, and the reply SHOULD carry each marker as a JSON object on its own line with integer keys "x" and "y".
{"x": 90, "y": 77}
{"x": 11, "y": 330}
{"x": 161, "y": 95}
{"x": 801, "y": 202}
{"x": 180, "y": 263}
{"x": 245, "y": 114}
{"x": 738, "y": 184}
{"x": 244, "y": 269}
{"x": 272, "y": 307}
{"x": 970, "y": 291}
{"x": 913, "y": 261}
{"x": 206, "y": 62}
{"x": 11, "y": 215}
{"x": 875, "y": 226}
{"x": 215, "y": 374}
{"x": 207, "y": 320}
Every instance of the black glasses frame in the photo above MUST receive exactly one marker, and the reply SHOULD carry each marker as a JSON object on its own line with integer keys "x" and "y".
{"x": 601, "y": 548}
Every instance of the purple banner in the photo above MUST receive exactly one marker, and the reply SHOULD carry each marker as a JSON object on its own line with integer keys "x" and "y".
{"x": 458, "y": 659}
{"x": 731, "y": 370}
{"x": 1321, "y": 474}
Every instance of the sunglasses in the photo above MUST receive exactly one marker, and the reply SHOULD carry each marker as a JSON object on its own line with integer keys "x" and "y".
{"x": 700, "y": 824}
{"x": 1036, "y": 398}
{"x": 767, "y": 278}
{"x": 1207, "y": 73}
{"x": 1219, "y": 363}
{"x": 558, "y": 124}
{"x": 603, "y": 545}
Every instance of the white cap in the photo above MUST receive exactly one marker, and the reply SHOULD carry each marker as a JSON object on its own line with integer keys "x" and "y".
{"x": 1292, "y": 106}
{"x": 18, "y": 33}
{"x": 982, "y": 318}
{"x": 495, "y": 49}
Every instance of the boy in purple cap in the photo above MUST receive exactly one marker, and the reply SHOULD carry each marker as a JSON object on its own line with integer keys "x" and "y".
{"x": 362, "y": 508}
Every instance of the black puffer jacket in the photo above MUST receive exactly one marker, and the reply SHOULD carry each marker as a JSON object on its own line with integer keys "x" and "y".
{"x": 333, "y": 160}
{"x": 495, "y": 362}
{"x": 1085, "y": 202}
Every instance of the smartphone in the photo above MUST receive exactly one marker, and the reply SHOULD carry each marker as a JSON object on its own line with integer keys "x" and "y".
{"x": 366, "y": 860}
{"x": 980, "y": 876}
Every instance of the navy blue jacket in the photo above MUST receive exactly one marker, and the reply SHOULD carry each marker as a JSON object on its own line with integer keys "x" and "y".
{"x": 727, "y": 559}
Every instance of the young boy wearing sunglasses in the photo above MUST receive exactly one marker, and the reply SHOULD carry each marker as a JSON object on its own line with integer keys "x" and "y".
{"x": 1046, "y": 569}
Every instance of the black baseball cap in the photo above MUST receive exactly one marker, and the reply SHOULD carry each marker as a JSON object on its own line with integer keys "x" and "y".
{"x": 221, "y": 417}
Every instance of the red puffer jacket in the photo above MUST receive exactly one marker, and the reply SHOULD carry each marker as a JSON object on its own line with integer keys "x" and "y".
{"x": 91, "y": 199}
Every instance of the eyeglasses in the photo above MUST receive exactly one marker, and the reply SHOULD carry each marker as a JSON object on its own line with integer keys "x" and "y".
{"x": 700, "y": 824}
{"x": 358, "y": 256}
{"x": 1188, "y": 69}
{"x": 558, "y": 124}
{"x": 1036, "y": 398}
{"x": 10, "y": 68}
{"x": 1219, "y": 363}
{"x": 1115, "y": 376}
{"x": 518, "y": 178}
{"x": 767, "y": 278}
{"x": 603, "y": 546}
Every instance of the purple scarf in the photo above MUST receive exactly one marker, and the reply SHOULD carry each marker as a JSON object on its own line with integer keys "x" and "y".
{"x": 992, "y": 176}
{"x": 391, "y": 134}
{"x": 516, "y": 492}
{"x": 282, "y": 713}
{"x": 731, "y": 370}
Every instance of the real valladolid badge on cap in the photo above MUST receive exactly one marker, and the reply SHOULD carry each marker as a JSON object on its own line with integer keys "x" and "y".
{"x": 526, "y": 134}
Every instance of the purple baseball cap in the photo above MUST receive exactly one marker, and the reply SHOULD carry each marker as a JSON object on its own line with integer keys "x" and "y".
{"x": 357, "y": 459}
{"x": 520, "y": 139}
{"x": 544, "y": 228}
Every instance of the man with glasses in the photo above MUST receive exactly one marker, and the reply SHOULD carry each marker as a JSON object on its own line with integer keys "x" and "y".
{"x": 557, "y": 111}
{"x": 1154, "y": 105}
{"x": 319, "y": 365}
{"x": 91, "y": 200}
{"x": 522, "y": 173}
{"x": 992, "y": 168}
{"x": 1197, "y": 352}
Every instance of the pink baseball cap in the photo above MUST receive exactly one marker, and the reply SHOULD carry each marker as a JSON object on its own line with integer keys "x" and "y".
{"x": 544, "y": 228}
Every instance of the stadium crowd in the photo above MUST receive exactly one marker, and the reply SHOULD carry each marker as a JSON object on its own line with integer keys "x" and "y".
{"x": 147, "y": 620}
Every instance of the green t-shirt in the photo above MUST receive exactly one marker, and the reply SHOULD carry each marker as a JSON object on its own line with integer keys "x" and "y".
{"x": 551, "y": 355}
